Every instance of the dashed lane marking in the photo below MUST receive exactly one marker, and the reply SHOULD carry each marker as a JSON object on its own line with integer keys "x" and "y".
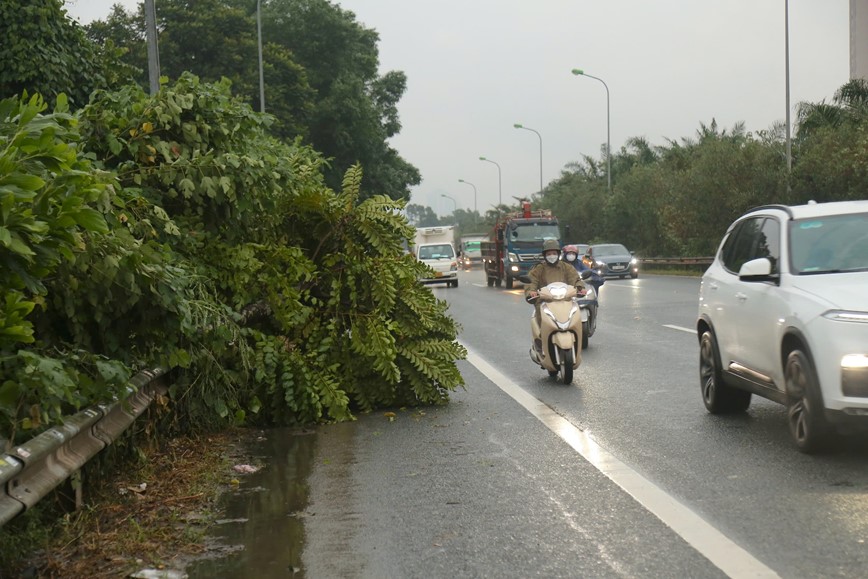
{"x": 701, "y": 535}
{"x": 679, "y": 328}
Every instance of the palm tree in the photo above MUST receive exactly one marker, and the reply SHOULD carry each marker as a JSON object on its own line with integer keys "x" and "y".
{"x": 849, "y": 104}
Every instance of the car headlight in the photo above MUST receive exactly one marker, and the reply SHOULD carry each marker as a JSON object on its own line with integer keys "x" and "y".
{"x": 846, "y": 316}
{"x": 854, "y": 361}
{"x": 634, "y": 261}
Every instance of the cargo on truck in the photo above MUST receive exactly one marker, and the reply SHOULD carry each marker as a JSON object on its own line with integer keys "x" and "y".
{"x": 434, "y": 247}
{"x": 516, "y": 245}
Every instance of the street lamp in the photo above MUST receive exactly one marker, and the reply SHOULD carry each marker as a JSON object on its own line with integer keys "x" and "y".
{"x": 520, "y": 126}
{"x": 499, "y": 182}
{"x": 580, "y": 72}
{"x": 454, "y": 203}
{"x": 787, "y": 59}
{"x": 474, "y": 192}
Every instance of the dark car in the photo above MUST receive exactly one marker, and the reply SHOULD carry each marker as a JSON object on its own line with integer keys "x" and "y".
{"x": 612, "y": 259}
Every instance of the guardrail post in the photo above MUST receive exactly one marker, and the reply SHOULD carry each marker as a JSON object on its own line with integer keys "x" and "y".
{"x": 9, "y": 507}
{"x": 33, "y": 469}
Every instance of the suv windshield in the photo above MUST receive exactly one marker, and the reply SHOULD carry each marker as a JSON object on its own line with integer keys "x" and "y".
{"x": 829, "y": 244}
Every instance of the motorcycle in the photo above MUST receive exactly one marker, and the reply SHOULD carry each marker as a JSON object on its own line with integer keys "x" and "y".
{"x": 589, "y": 304}
{"x": 564, "y": 316}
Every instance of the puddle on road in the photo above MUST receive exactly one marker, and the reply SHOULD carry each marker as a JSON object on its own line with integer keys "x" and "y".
{"x": 262, "y": 530}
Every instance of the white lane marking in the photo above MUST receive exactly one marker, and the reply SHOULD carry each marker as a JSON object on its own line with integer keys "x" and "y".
{"x": 702, "y": 536}
{"x": 479, "y": 284}
{"x": 688, "y": 330}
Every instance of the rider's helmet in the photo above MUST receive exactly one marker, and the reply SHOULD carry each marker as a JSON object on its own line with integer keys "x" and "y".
{"x": 551, "y": 245}
{"x": 571, "y": 249}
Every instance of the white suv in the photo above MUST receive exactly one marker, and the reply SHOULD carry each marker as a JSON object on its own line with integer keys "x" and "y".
{"x": 783, "y": 313}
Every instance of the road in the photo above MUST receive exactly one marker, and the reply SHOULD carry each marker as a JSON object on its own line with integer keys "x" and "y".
{"x": 621, "y": 474}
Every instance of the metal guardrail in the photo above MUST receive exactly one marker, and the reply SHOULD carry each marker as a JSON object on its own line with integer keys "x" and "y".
{"x": 31, "y": 470}
{"x": 676, "y": 261}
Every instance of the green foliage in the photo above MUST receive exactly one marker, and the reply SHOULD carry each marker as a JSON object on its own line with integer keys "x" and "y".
{"x": 43, "y": 51}
{"x": 51, "y": 203}
{"x": 319, "y": 289}
{"x": 320, "y": 74}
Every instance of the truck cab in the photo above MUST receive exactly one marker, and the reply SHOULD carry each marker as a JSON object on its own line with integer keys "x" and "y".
{"x": 433, "y": 247}
{"x": 517, "y": 246}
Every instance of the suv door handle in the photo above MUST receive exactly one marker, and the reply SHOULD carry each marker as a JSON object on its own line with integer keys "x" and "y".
{"x": 741, "y": 297}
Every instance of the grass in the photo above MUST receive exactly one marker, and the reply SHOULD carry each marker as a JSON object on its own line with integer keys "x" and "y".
{"x": 126, "y": 526}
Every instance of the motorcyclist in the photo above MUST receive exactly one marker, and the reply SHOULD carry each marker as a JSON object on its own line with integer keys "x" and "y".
{"x": 550, "y": 270}
{"x": 571, "y": 256}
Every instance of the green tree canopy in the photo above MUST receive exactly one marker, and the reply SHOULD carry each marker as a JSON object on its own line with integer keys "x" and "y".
{"x": 320, "y": 70}
{"x": 43, "y": 51}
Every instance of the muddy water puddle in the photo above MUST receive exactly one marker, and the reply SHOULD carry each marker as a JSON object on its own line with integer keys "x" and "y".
{"x": 260, "y": 532}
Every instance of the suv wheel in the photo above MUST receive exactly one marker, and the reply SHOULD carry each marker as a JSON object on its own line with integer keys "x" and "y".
{"x": 717, "y": 396}
{"x": 808, "y": 426}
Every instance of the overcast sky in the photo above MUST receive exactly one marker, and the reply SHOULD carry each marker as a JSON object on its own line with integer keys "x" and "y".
{"x": 476, "y": 67}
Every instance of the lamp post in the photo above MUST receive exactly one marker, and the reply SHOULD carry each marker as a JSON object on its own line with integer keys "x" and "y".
{"x": 499, "y": 182}
{"x": 787, "y": 64}
{"x": 474, "y": 193}
{"x": 520, "y": 126}
{"x": 454, "y": 204}
{"x": 259, "y": 42}
{"x": 580, "y": 72}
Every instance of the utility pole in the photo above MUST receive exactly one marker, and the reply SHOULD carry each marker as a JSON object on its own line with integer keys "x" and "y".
{"x": 153, "y": 49}
{"x": 259, "y": 42}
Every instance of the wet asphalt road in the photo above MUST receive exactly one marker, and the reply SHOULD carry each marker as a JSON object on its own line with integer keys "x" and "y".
{"x": 481, "y": 488}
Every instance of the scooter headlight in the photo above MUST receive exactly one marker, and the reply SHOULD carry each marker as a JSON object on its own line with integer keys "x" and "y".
{"x": 558, "y": 292}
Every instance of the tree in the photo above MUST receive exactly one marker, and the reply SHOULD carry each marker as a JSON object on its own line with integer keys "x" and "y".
{"x": 849, "y": 104}
{"x": 321, "y": 76}
{"x": 356, "y": 111}
{"x": 43, "y": 51}
{"x": 421, "y": 215}
{"x": 316, "y": 308}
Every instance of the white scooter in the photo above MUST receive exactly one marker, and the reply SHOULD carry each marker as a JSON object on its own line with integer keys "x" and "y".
{"x": 557, "y": 341}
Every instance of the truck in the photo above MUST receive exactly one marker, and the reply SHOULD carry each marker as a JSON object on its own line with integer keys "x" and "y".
{"x": 433, "y": 246}
{"x": 470, "y": 250}
{"x": 516, "y": 245}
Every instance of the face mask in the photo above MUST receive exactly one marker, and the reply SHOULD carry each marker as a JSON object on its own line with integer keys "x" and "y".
{"x": 571, "y": 257}
{"x": 552, "y": 258}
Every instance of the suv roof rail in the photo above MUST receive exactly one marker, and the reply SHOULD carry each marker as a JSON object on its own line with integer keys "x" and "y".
{"x": 785, "y": 208}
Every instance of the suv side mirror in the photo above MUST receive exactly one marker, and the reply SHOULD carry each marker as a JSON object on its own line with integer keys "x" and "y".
{"x": 757, "y": 270}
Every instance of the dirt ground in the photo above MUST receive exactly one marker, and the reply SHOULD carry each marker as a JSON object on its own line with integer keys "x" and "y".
{"x": 153, "y": 516}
